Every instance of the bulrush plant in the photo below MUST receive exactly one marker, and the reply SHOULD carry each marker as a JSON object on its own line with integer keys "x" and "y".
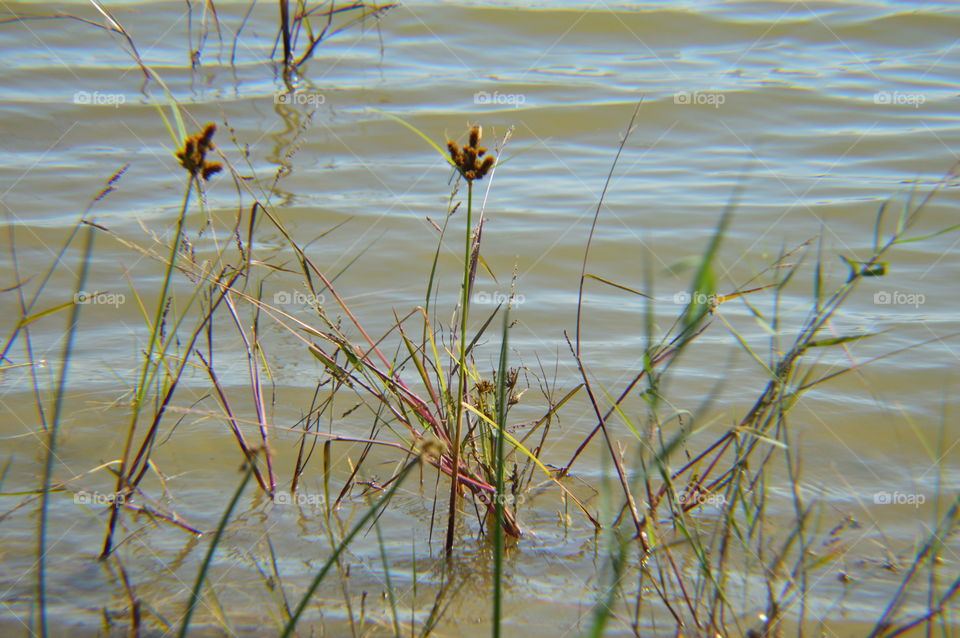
{"x": 442, "y": 417}
{"x": 472, "y": 166}
{"x": 162, "y": 368}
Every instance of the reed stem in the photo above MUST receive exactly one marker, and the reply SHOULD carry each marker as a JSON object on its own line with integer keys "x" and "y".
{"x": 502, "y": 402}
{"x": 462, "y": 376}
{"x": 52, "y": 433}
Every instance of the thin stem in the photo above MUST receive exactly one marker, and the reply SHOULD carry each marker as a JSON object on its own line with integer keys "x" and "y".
{"x": 462, "y": 377}
{"x": 502, "y": 401}
{"x": 52, "y": 432}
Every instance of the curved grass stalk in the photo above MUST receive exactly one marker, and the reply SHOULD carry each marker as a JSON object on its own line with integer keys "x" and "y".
{"x": 214, "y": 542}
{"x": 502, "y": 400}
{"x": 462, "y": 373}
{"x": 52, "y": 433}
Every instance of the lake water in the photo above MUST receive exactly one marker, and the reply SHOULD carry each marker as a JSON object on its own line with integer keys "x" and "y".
{"x": 822, "y": 110}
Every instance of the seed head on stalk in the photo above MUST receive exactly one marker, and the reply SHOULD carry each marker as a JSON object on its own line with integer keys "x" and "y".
{"x": 470, "y": 160}
{"x": 193, "y": 156}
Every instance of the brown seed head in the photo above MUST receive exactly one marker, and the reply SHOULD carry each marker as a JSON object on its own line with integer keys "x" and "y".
{"x": 486, "y": 166}
{"x": 468, "y": 159}
{"x": 193, "y": 156}
{"x": 206, "y": 138}
{"x": 485, "y": 386}
{"x": 210, "y": 169}
{"x": 455, "y": 154}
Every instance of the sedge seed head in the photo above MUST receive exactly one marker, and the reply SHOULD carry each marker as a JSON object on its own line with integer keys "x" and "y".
{"x": 210, "y": 169}
{"x": 193, "y": 155}
{"x": 470, "y": 160}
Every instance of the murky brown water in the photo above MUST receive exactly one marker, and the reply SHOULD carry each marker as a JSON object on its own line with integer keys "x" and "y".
{"x": 825, "y": 109}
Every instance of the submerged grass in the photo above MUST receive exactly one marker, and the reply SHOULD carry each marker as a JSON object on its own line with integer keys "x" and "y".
{"x": 297, "y": 24}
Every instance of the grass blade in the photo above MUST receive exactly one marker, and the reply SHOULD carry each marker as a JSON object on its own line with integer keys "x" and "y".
{"x": 52, "y": 433}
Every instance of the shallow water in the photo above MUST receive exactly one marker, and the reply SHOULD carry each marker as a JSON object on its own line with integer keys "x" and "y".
{"x": 822, "y": 111}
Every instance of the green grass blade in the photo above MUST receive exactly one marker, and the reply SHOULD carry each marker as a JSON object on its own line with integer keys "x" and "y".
{"x": 502, "y": 401}
{"x": 205, "y": 567}
{"x": 442, "y": 151}
{"x": 52, "y": 433}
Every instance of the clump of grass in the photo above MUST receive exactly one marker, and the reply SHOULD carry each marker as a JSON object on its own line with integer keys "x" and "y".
{"x": 443, "y": 412}
{"x": 463, "y": 433}
{"x": 164, "y": 333}
{"x": 736, "y": 469}
{"x": 299, "y": 21}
